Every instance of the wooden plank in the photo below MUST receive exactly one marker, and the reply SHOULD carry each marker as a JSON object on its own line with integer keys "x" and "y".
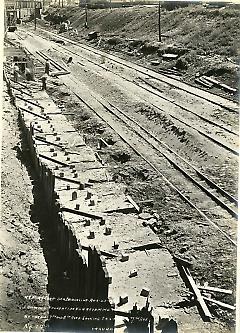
{"x": 228, "y": 88}
{"x": 223, "y": 305}
{"x": 181, "y": 261}
{"x": 82, "y": 213}
{"x": 23, "y": 92}
{"x": 133, "y": 203}
{"x": 218, "y": 290}
{"x": 33, "y": 113}
{"x": 30, "y": 102}
{"x": 53, "y": 160}
{"x": 197, "y": 292}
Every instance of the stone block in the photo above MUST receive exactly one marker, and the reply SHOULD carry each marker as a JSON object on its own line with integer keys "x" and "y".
{"x": 124, "y": 257}
{"x": 81, "y": 186}
{"x": 91, "y": 235}
{"x": 89, "y": 195}
{"x": 102, "y": 222}
{"x": 74, "y": 195}
{"x": 145, "y": 292}
{"x": 123, "y": 299}
{"x": 133, "y": 273}
{"x": 108, "y": 231}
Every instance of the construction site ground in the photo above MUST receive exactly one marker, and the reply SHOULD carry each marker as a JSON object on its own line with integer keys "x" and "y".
{"x": 180, "y": 229}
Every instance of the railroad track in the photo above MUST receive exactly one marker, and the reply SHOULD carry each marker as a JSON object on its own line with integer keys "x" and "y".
{"x": 223, "y": 199}
{"x": 188, "y": 88}
{"x": 148, "y": 86}
{"x": 162, "y": 160}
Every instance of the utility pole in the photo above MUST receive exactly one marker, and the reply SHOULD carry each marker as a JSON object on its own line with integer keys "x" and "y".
{"x": 86, "y": 15}
{"x": 159, "y": 21}
{"x": 35, "y": 15}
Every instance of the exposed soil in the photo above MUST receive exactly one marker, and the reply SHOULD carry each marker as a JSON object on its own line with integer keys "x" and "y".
{"x": 206, "y": 40}
{"x": 179, "y": 227}
{"x": 23, "y": 269}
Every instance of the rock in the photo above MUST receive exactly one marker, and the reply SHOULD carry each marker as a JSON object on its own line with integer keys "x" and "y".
{"x": 10, "y": 293}
{"x": 145, "y": 216}
{"x": 156, "y": 216}
{"x": 21, "y": 253}
{"x": 170, "y": 232}
{"x": 151, "y": 222}
{"x": 30, "y": 279}
{"x": 183, "y": 249}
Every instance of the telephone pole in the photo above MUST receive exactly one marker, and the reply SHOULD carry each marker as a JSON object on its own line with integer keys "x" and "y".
{"x": 35, "y": 15}
{"x": 86, "y": 15}
{"x": 159, "y": 21}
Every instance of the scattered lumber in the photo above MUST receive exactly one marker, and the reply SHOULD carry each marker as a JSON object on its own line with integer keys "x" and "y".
{"x": 197, "y": 292}
{"x": 133, "y": 203}
{"x": 220, "y": 85}
{"x": 203, "y": 82}
{"x": 215, "y": 289}
{"x": 182, "y": 261}
{"x": 33, "y": 113}
{"x": 223, "y": 305}
{"x": 58, "y": 73}
{"x": 31, "y": 102}
{"x": 53, "y": 160}
{"x": 82, "y": 213}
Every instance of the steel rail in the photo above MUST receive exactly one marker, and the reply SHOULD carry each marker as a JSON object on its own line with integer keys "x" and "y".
{"x": 176, "y": 166}
{"x": 201, "y": 175}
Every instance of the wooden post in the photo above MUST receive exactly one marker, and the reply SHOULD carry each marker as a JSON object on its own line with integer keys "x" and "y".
{"x": 159, "y": 21}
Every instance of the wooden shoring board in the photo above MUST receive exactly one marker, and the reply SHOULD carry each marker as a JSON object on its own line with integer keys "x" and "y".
{"x": 197, "y": 292}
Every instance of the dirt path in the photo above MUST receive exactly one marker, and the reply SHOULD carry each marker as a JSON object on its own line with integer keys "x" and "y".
{"x": 23, "y": 268}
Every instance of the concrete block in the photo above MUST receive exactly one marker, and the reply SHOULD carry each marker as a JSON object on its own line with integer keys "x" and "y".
{"x": 145, "y": 292}
{"x": 56, "y": 167}
{"x": 75, "y": 175}
{"x": 102, "y": 222}
{"x": 81, "y": 186}
{"x": 124, "y": 257}
{"x": 55, "y": 134}
{"x": 66, "y": 153}
{"x": 91, "y": 235}
{"x": 74, "y": 195}
{"x": 58, "y": 138}
{"x": 54, "y": 154}
{"x": 123, "y": 299}
{"x": 68, "y": 158}
{"x": 68, "y": 187}
{"x": 115, "y": 245}
{"x": 77, "y": 207}
{"x": 108, "y": 231}
{"x": 61, "y": 174}
{"x": 92, "y": 202}
{"x": 133, "y": 273}
{"x": 51, "y": 149}
{"x": 87, "y": 223}
{"x": 89, "y": 195}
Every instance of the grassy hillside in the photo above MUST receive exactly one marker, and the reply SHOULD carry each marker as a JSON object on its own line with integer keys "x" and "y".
{"x": 208, "y": 39}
